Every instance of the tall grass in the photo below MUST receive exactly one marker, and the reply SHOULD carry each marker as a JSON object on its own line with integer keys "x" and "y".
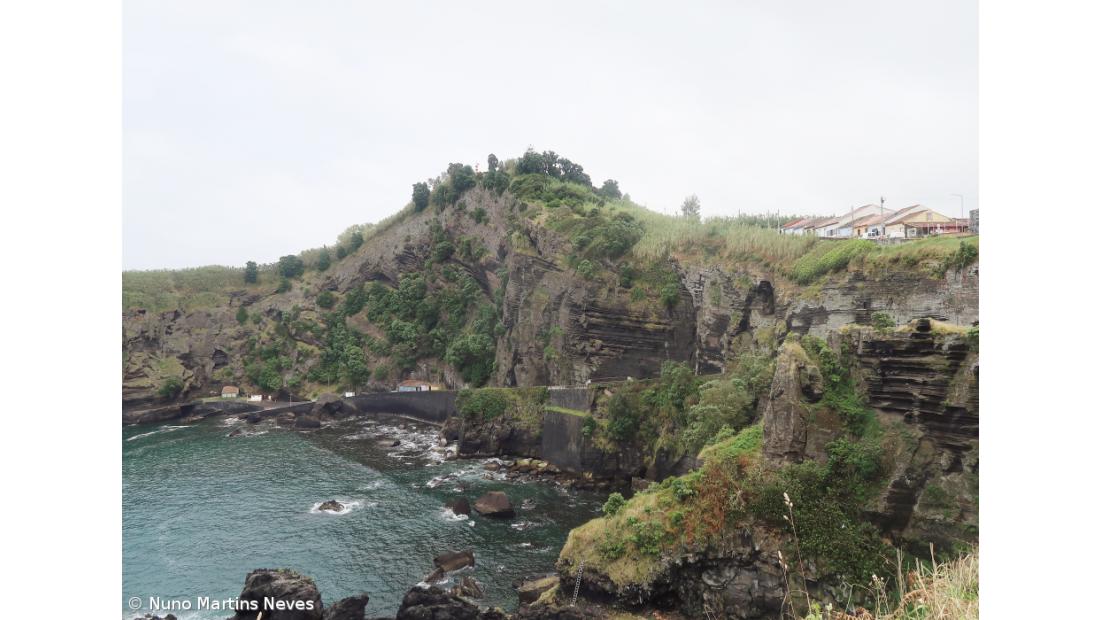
{"x": 667, "y": 234}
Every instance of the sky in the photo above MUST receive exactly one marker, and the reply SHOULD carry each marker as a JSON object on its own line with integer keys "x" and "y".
{"x": 255, "y": 129}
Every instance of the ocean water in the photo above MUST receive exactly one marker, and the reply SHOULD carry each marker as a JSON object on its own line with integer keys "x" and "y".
{"x": 201, "y": 509}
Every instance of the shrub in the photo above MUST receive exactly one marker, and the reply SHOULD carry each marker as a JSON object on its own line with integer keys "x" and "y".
{"x": 623, "y": 415}
{"x": 324, "y": 260}
{"x": 586, "y": 269}
{"x": 284, "y": 286}
{"x": 484, "y": 404}
{"x": 614, "y": 502}
{"x": 242, "y": 315}
{"x": 882, "y": 321}
{"x": 670, "y": 295}
{"x": 480, "y": 215}
{"x": 962, "y": 257}
{"x": 326, "y": 299}
{"x": 170, "y": 388}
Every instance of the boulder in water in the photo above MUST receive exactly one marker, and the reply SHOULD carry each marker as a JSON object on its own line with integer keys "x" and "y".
{"x": 459, "y": 506}
{"x": 305, "y": 421}
{"x": 331, "y": 506}
{"x": 454, "y": 560}
{"x": 495, "y": 504}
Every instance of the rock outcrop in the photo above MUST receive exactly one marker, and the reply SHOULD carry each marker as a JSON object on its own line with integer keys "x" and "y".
{"x": 495, "y": 504}
{"x": 791, "y": 431}
{"x": 295, "y": 596}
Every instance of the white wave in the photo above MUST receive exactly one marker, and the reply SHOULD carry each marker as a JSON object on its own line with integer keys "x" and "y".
{"x": 163, "y": 429}
{"x": 450, "y": 515}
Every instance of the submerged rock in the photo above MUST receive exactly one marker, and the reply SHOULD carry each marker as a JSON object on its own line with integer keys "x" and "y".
{"x": 495, "y": 504}
{"x": 331, "y": 506}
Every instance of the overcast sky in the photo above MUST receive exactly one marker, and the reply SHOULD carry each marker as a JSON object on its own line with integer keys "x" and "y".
{"x": 257, "y": 129}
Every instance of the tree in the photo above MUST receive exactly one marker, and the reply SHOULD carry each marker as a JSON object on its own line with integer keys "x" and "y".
{"x": 341, "y": 252}
{"x": 324, "y": 260}
{"x": 610, "y": 189}
{"x": 493, "y": 162}
{"x": 291, "y": 266}
{"x": 242, "y": 315}
{"x": 326, "y": 299}
{"x": 355, "y": 241}
{"x": 461, "y": 177}
{"x": 691, "y": 207}
{"x": 420, "y": 196}
{"x": 251, "y": 272}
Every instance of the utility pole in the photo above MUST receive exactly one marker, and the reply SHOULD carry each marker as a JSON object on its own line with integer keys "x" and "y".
{"x": 882, "y": 219}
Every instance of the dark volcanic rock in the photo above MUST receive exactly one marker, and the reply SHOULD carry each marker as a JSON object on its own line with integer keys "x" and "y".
{"x": 435, "y": 604}
{"x": 296, "y": 592}
{"x": 495, "y": 504}
{"x": 329, "y": 405}
{"x": 306, "y": 421}
{"x": 459, "y": 506}
{"x": 468, "y": 587}
{"x": 454, "y": 560}
{"x": 350, "y": 608}
{"x": 331, "y": 506}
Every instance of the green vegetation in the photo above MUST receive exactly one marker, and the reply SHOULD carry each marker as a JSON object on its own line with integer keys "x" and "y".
{"x": 326, "y": 299}
{"x": 324, "y": 260}
{"x": 420, "y": 196}
{"x": 882, "y": 321}
{"x": 523, "y": 406}
{"x": 828, "y": 257}
{"x": 170, "y": 388}
{"x": 242, "y": 315}
{"x": 614, "y": 502}
{"x": 251, "y": 272}
{"x": 291, "y": 266}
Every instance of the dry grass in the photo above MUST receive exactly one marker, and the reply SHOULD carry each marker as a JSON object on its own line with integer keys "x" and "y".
{"x": 945, "y": 591}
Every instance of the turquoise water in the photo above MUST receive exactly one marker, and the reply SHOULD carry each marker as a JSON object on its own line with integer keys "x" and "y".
{"x": 201, "y": 509}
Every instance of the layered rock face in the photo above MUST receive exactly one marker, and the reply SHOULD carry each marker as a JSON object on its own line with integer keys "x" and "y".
{"x": 930, "y": 381}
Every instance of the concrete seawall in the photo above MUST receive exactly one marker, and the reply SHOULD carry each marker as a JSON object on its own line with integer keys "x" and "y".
{"x": 434, "y": 407}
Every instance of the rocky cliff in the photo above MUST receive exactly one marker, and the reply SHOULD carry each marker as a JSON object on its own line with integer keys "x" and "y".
{"x": 505, "y": 279}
